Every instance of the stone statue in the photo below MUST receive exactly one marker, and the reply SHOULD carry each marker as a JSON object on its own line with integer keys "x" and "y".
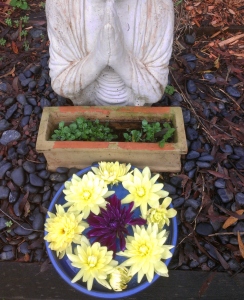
{"x": 110, "y": 52}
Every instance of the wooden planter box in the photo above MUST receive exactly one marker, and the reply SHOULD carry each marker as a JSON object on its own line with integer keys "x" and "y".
{"x": 81, "y": 154}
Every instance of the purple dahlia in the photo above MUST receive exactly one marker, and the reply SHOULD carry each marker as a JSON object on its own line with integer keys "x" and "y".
{"x": 112, "y": 223}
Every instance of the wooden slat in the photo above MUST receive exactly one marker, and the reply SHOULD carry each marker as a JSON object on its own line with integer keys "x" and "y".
{"x": 24, "y": 281}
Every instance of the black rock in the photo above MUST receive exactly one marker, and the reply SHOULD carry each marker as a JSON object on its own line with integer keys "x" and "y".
{"x": 28, "y": 110}
{"x": 24, "y": 248}
{"x": 21, "y": 99}
{"x": 4, "y": 192}
{"x": 240, "y": 164}
{"x": 232, "y": 91}
{"x": 22, "y": 148}
{"x": 225, "y": 195}
{"x": 44, "y": 174}
{"x": 239, "y": 198}
{"x": 4, "y": 168}
{"x": 13, "y": 196}
{"x": 32, "y": 85}
{"x": 24, "y": 229}
{"x": 18, "y": 176}
{"x": 204, "y": 228}
{"x": 62, "y": 170}
{"x": 9, "y": 255}
{"x": 31, "y": 189}
{"x": 190, "y": 214}
{"x": 220, "y": 183}
{"x": 178, "y": 202}
{"x": 234, "y": 265}
{"x": 191, "y": 134}
{"x": 169, "y": 188}
{"x": 10, "y": 111}
{"x": 3, "y": 223}
{"x": 29, "y": 166}
{"x": 37, "y": 110}
{"x": 203, "y": 165}
{"x": 196, "y": 145}
{"x": 226, "y": 148}
{"x": 38, "y": 222}
{"x": 38, "y": 255}
{"x": 12, "y": 154}
{"x": 46, "y": 195}
{"x": 192, "y": 155}
{"x": 189, "y": 165}
{"x": 57, "y": 186}
{"x": 24, "y": 121}
{"x": 45, "y": 102}
{"x": 209, "y": 77}
{"x": 26, "y": 82}
{"x": 41, "y": 166}
{"x": 36, "y": 180}
{"x": 176, "y": 181}
{"x": 9, "y": 136}
{"x": 190, "y": 57}
{"x": 191, "y": 86}
{"x": 193, "y": 264}
{"x": 186, "y": 116}
{"x": 9, "y": 101}
{"x": 36, "y": 199}
{"x": 3, "y": 87}
{"x": 57, "y": 177}
{"x": 192, "y": 173}
{"x": 239, "y": 227}
{"x": 192, "y": 203}
{"x": 4, "y": 125}
{"x": 28, "y": 73}
{"x": 239, "y": 151}
{"x": 207, "y": 157}
{"x": 21, "y": 76}
{"x": 32, "y": 101}
{"x": 36, "y": 69}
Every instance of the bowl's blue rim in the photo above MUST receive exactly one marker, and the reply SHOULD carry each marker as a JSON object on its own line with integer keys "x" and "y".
{"x": 110, "y": 295}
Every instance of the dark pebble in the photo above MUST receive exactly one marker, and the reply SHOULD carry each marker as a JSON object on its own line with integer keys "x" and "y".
{"x": 37, "y": 110}
{"x": 196, "y": 145}
{"x": 240, "y": 164}
{"x": 46, "y": 195}
{"x": 3, "y": 223}
{"x": 239, "y": 151}
{"x": 234, "y": 156}
{"x": 209, "y": 77}
{"x": 192, "y": 155}
{"x": 4, "y": 168}
{"x": 13, "y": 196}
{"x": 10, "y": 111}
{"x": 191, "y": 87}
{"x": 192, "y": 203}
{"x": 206, "y": 158}
{"x": 31, "y": 189}
{"x": 211, "y": 264}
{"x": 234, "y": 265}
{"x": 189, "y": 165}
{"x": 32, "y": 85}
{"x": 226, "y": 148}
{"x": 28, "y": 110}
{"x": 178, "y": 202}
{"x": 9, "y": 255}
{"x": 62, "y": 170}
{"x": 193, "y": 264}
{"x": 21, "y": 99}
{"x": 45, "y": 102}
{"x": 32, "y": 101}
{"x": 38, "y": 255}
{"x": 190, "y": 57}
{"x": 18, "y": 176}
{"x": 239, "y": 198}
{"x": 204, "y": 165}
{"x": 21, "y": 77}
{"x": 29, "y": 166}
{"x": 44, "y": 174}
{"x": 190, "y": 214}
{"x": 9, "y": 136}
{"x": 186, "y": 116}
{"x": 57, "y": 186}
{"x": 176, "y": 181}
{"x": 203, "y": 258}
{"x": 28, "y": 73}
{"x": 225, "y": 195}
{"x": 36, "y": 199}
{"x": 36, "y": 69}
{"x": 36, "y": 180}
{"x": 192, "y": 173}
{"x": 4, "y": 125}
{"x": 23, "y": 231}
{"x": 24, "y": 121}
{"x": 204, "y": 229}
{"x": 22, "y": 148}
{"x": 26, "y": 82}
{"x": 3, "y": 87}
{"x": 232, "y": 91}
{"x": 23, "y": 248}
{"x": 220, "y": 183}
{"x": 58, "y": 177}
{"x": 191, "y": 134}
{"x": 38, "y": 222}
{"x": 12, "y": 154}
{"x": 239, "y": 227}
{"x": 9, "y": 101}
{"x": 169, "y": 188}
{"x": 41, "y": 166}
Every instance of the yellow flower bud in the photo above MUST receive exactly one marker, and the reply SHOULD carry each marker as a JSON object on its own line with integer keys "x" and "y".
{"x": 119, "y": 279}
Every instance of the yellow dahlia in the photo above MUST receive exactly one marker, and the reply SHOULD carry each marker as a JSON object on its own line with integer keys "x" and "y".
{"x": 111, "y": 173}
{"x": 94, "y": 262}
{"x": 145, "y": 251}
{"x": 63, "y": 228}
{"x": 86, "y": 194}
{"x": 143, "y": 190}
{"x": 161, "y": 214}
{"x": 119, "y": 279}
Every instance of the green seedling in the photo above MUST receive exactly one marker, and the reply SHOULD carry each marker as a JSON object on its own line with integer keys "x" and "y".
{"x": 19, "y": 4}
{"x": 2, "y": 42}
{"x": 169, "y": 90}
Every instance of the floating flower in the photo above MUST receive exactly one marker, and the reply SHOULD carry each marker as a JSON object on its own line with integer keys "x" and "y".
{"x": 119, "y": 279}
{"x": 161, "y": 214}
{"x": 63, "y": 228}
{"x": 143, "y": 190}
{"x": 111, "y": 173}
{"x": 86, "y": 194}
{"x": 145, "y": 251}
{"x": 94, "y": 262}
{"x": 112, "y": 223}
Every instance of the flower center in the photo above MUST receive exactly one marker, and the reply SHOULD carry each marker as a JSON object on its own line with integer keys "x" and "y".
{"x": 86, "y": 195}
{"x": 140, "y": 191}
{"x": 143, "y": 250}
{"x": 92, "y": 261}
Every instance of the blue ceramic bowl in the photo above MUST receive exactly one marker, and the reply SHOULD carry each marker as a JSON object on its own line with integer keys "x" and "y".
{"x": 68, "y": 272}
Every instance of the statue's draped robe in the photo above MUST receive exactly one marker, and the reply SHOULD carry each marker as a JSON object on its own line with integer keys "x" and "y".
{"x": 148, "y": 36}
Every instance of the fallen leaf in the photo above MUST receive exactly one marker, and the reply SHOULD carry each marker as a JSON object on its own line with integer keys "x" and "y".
{"x": 15, "y": 48}
{"x": 8, "y": 73}
{"x": 217, "y": 174}
{"x": 231, "y": 220}
{"x": 241, "y": 245}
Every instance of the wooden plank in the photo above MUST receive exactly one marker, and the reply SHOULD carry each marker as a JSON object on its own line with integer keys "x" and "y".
{"x": 24, "y": 281}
